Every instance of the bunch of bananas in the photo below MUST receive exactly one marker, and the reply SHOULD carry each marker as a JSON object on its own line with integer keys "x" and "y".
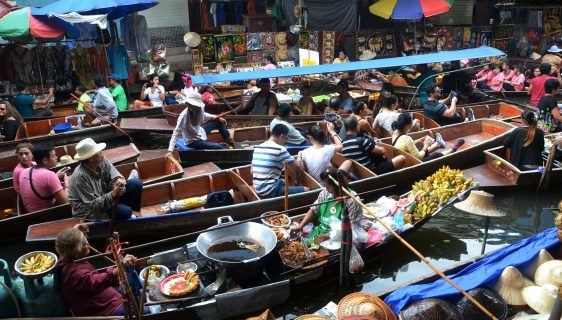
{"x": 37, "y": 263}
{"x": 437, "y": 189}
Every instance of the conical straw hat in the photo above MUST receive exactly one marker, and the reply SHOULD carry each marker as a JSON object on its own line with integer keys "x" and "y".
{"x": 191, "y": 39}
{"x": 480, "y": 203}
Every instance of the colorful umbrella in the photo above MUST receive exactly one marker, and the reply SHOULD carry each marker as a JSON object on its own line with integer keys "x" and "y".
{"x": 113, "y": 8}
{"x": 20, "y": 23}
{"x": 409, "y": 9}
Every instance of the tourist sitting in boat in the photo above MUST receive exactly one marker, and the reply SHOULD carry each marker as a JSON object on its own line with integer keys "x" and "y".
{"x": 402, "y": 141}
{"x": 83, "y": 95}
{"x": 153, "y": 91}
{"x": 267, "y": 165}
{"x": 327, "y": 213}
{"x": 508, "y": 71}
{"x": 294, "y": 137}
{"x": 194, "y": 124}
{"x": 118, "y": 94}
{"x": 174, "y": 88}
{"x": 96, "y": 186}
{"x": 87, "y": 291}
{"x": 484, "y": 77}
{"x": 104, "y": 106}
{"x": 550, "y": 118}
{"x": 362, "y": 113}
{"x": 536, "y": 86}
{"x": 346, "y": 102}
{"x": 524, "y": 146}
{"x": 24, "y": 151}
{"x": 517, "y": 82}
{"x": 306, "y": 105}
{"x": 28, "y": 106}
{"x": 263, "y": 102}
{"x": 39, "y": 187}
{"x": 497, "y": 79}
{"x": 341, "y": 58}
{"x": 10, "y": 120}
{"x": 388, "y": 114}
{"x": 364, "y": 150}
{"x": 317, "y": 158}
{"x": 438, "y": 110}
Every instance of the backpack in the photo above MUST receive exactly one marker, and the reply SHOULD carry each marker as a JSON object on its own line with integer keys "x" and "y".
{"x": 219, "y": 199}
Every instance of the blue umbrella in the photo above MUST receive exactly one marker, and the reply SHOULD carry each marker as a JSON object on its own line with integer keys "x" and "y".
{"x": 114, "y": 9}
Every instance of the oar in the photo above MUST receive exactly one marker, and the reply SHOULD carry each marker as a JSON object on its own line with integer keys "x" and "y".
{"x": 98, "y": 252}
{"x": 417, "y": 253}
{"x": 143, "y": 293}
{"x": 103, "y": 117}
{"x": 543, "y": 183}
{"x": 113, "y": 215}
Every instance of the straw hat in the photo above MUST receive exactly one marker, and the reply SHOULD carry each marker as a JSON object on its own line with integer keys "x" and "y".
{"x": 367, "y": 55}
{"x": 509, "y": 286}
{"x": 194, "y": 98}
{"x": 543, "y": 257}
{"x": 191, "y": 39}
{"x": 480, "y": 203}
{"x": 364, "y": 304}
{"x": 540, "y": 298}
{"x": 87, "y": 148}
{"x": 66, "y": 160}
{"x": 549, "y": 272}
{"x": 430, "y": 309}
{"x": 487, "y": 298}
{"x": 311, "y": 317}
{"x": 535, "y": 56}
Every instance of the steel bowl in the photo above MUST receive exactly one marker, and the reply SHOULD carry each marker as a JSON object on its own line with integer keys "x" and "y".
{"x": 26, "y": 275}
{"x": 163, "y": 272}
{"x": 185, "y": 266}
{"x": 272, "y": 225}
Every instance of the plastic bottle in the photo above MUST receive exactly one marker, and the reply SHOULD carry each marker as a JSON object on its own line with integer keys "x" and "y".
{"x": 80, "y": 126}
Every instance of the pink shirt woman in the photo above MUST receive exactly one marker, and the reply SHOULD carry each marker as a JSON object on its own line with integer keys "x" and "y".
{"x": 518, "y": 82}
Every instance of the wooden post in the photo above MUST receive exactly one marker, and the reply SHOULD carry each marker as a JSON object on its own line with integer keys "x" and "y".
{"x": 286, "y": 186}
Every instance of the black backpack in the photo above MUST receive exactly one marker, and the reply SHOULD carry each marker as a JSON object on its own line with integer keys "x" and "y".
{"x": 219, "y": 199}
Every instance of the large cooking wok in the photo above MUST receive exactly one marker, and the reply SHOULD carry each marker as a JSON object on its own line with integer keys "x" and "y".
{"x": 255, "y": 232}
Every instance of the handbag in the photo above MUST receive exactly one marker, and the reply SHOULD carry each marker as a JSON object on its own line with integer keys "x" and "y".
{"x": 219, "y": 199}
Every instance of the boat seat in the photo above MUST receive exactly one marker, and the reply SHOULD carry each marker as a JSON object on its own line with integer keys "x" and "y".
{"x": 293, "y": 150}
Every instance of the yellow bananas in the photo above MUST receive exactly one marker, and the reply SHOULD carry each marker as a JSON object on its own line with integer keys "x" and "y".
{"x": 37, "y": 263}
{"x": 437, "y": 189}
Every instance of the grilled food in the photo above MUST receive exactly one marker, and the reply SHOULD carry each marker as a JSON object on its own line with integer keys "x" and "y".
{"x": 280, "y": 220}
{"x": 280, "y": 233}
{"x": 293, "y": 253}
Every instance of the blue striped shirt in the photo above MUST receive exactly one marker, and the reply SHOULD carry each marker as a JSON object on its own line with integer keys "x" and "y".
{"x": 267, "y": 166}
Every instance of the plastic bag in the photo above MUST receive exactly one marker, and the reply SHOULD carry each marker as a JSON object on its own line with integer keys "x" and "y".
{"x": 163, "y": 70}
{"x": 355, "y": 261}
{"x": 359, "y": 235}
{"x": 159, "y": 53}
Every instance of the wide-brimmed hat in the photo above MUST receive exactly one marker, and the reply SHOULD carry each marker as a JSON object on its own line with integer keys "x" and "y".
{"x": 480, "y": 203}
{"x": 549, "y": 272}
{"x": 540, "y": 298}
{"x": 367, "y": 55}
{"x": 66, "y": 160}
{"x": 194, "y": 98}
{"x": 88, "y": 148}
{"x": 364, "y": 304}
{"x": 509, "y": 286}
{"x": 191, "y": 39}
{"x": 554, "y": 49}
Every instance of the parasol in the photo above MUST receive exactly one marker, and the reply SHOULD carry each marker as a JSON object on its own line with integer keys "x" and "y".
{"x": 20, "y": 23}
{"x": 114, "y": 9}
{"x": 409, "y": 9}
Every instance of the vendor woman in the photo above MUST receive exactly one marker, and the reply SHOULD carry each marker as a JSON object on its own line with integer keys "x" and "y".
{"x": 326, "y": 210}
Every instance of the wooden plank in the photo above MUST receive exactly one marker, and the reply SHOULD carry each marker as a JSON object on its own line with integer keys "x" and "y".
{"x": 204, "y": 168}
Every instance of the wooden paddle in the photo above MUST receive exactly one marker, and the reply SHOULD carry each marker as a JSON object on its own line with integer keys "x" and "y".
{"x": 103, "y": 117}
{"x": 543, "y": 183}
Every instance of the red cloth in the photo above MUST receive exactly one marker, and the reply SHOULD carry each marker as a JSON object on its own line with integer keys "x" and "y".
{"x": 42, "y": 27}
{"x": 537, "y": 92}
{"x": 87, "y": 291}
{"x": 251, "y": 7}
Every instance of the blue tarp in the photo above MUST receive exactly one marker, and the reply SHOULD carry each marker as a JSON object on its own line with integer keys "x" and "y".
{"x": 482, "y": 52}
{"x": 114, "y": 9}
{"x": 482, "y": 273}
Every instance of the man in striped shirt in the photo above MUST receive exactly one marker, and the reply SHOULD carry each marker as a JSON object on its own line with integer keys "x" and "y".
{"x": 267, "y": 165}
{"x": 364, "y": 150}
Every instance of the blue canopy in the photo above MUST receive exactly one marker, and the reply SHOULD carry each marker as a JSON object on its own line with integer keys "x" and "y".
{"x": 482, "y": 52}
{"x": 114, "y": 9}
{"x": 482, "y": 273}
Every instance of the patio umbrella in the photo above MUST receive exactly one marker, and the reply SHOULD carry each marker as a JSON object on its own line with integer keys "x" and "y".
{"x": 20, "y": 23}
{"x": 114, "y": 9}
{"x": 409, "y": 9}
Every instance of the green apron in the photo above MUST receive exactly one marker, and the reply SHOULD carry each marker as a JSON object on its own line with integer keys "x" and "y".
{"x": 327, "y": 210}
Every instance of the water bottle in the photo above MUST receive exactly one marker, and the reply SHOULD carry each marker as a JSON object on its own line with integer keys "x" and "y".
{"x": 80, "y": 126}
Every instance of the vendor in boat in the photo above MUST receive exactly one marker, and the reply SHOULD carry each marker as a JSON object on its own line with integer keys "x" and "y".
{"x": 294, "y": 137}
{"x": 96, "y": 187}
{"x": 263, "y": 102}
{"x": 39, "y": 187}
{"x": 30, "y": 107}
{"x": 402, "y": 141}
{"x": 104, "y": 105}
{"x": 346, "y": 102}
{"x": 24, "y": 151}
{"x": 364, "y": 150}
{"x": 437, "y": 109}
{"x": 153, "y": 91}
{"x": 87, "y": 291}
{"x": 267, "y": 165}
{"x": 10, "y": 121}
{"x": 306, "y": 105}
{"x": 329, "y": 212}
{"x": 362, "y": 113}
{"x": 194, "y": 124}
{"x": 524, "y": 146}
{"x": 118, "y": 94}
{"x": 550, "y": 118}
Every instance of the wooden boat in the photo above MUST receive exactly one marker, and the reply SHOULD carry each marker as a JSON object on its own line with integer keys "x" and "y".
{"x": 497, "y": 171}
{"x": 153, "y": 170}
{"x": 142, "y": 112}
{"x": 153, "y": 223}
{"x": 59, "y": 110}
{"x": 117, "y": 155}
{"x": 498, "y": 110}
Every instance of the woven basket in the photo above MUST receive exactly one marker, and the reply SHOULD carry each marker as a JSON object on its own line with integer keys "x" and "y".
{"x": 364, "y": 304}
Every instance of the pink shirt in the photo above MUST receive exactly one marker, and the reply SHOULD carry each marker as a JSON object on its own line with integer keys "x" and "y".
{"x": 16, "y": 174}
{"x": 518, "y": 82}
{"x": 46, "y": 183}
{"x": 498, "y": 80}
{"x": 509, "y": 75}
{"x": 537, "y": 90}
{"x": 489, "y": 78}
{"x": 270, "y": 66}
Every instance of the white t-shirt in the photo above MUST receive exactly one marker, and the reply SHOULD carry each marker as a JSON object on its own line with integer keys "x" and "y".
{"x": 318, "y": 160}
{"x": 385, "y": 120}
{"x": 155, "y": 97}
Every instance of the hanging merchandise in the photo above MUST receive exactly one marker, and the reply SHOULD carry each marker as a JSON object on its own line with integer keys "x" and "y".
{"x": 254, "y": 41}
{"x": 224, "y": 49}
{"x": 304, "y": 40}
{"x": 134, "y": 33}
{"x": 88, "y": 32}
{"x": 159, "y": 53}
{"x": 282, "y": 50}
{"x": 268, "y": 40}
{"x": 255, "y": 57}
{"x": 118, "y": 61}
{"x": 146, "y": 69}
{"x": 379, "y": 42}
{"x": 458, "y": 38}
{"x": 466, "y": 36}
{"x": 239, "y": 43}
{"x": 445, "y": 38}
{"x": 328, "y": 46}
{"x": 207, "y": 47}
{"x": 62, "y": 59}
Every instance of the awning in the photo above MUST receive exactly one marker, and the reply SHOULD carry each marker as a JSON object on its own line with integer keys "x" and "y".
{"x": 114, "y": 9}
{"x": 482, "y": 52}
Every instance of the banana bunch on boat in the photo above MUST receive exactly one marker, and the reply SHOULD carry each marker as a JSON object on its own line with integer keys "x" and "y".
{"x": 437, "y": 189}
{"x": 37, "y": 263}
{"x": 184, "y": 204}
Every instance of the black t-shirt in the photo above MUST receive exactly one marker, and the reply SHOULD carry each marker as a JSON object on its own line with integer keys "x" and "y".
{"x": 359, "y": 148}
{"x": 434, "y": 110}
{"x": 521, "y": 156}
{"x": 9, "y": 129}
{"x": 545, "y": 107}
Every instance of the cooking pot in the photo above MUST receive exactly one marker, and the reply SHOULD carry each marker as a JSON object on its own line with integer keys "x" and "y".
{"x": 251, "y": 231}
